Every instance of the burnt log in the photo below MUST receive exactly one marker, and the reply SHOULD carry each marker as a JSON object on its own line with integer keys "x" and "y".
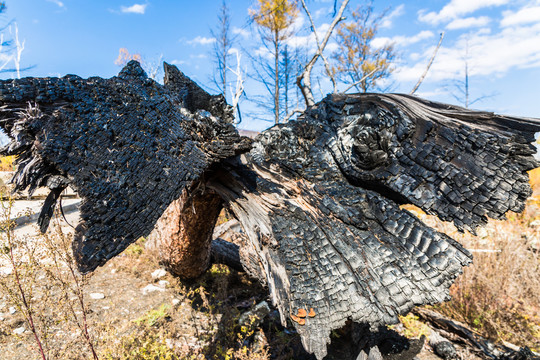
{"x": 318, "y": 199}
{"x": 128, "y": 145}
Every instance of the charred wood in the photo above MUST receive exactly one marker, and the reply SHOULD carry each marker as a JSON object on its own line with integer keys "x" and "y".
{"x": 318, "y": 199}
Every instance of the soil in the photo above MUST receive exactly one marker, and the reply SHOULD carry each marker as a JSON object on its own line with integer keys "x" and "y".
{"x": 129, "y": 305}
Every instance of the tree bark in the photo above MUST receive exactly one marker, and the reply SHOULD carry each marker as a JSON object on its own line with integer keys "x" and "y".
{"x": 183, "y": 234}
{"x": 318, "y": 198}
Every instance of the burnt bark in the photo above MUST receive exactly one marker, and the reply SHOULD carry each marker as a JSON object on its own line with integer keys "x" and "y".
{"x": 128, "y": 145}
{"x": 318, "y": 199}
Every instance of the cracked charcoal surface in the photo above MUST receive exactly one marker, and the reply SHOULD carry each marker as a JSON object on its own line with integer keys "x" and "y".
{"x": 128, "y": 145}
{"x": 319, "y": 199}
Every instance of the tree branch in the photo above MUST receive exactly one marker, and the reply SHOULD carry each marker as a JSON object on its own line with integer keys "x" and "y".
{"x": 326, "y": 64}
{"x": 359, "y": 81}
{"x": 428, "y": 66}
{"x": 304, "y": 79}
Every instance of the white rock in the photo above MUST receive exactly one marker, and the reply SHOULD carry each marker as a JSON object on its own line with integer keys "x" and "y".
{"x": 158, "y": 274}
{"x": 19, "y": 330}
{"x": 2, "y": 318}
{"x": 535, "y": 224}
{"x": 12, "y": 310}
{"x": 175, "y": 302}
{"x": 97, "y": 296}
{"x": 163, "y": 283}
{"x": 6, "y": 270}
{"x": 482, "y": 232}
{"x": 151, "y": 288}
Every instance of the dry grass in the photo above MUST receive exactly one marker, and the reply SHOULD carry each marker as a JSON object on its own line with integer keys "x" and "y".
{"x": 499, "y": 294}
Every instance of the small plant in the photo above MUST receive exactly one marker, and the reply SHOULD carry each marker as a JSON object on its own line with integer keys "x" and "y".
{"x": 154, "y": 316}
{"x": 45, "y": 288}
{"x": 6, "y": 163}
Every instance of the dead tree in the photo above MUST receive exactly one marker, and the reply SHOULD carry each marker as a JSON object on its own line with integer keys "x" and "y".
{"x": 318, "y": 199}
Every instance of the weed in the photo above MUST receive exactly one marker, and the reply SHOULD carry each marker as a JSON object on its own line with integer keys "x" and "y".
{"x": 154, "y": 316}
{"x": 6, "y": 163}
{"x": 413, "y": 327}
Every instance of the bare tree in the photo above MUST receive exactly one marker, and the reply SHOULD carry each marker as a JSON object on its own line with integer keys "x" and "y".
{"x": 421, "y": 79}
{"x": 461, "y": 88}
{"x": 238, "y": 90}
{"x": 222, "y": 47}
{"x": 304, "y": 79}
{"x": 274, "y": 19}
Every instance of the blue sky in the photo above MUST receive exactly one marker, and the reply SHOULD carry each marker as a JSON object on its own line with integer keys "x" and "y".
{"x": 499, "y": 39}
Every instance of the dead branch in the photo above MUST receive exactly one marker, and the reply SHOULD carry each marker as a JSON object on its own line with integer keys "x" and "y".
{"x": 325, "y": 60}
{"x": 359, "y": 81}
{"x": 428, "y": 66}
{"x": 304, "y": 79}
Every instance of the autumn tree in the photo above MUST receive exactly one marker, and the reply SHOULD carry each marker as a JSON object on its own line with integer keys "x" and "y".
{"x": 152, "y": 67}
{"x": 275, "y": 18}
{"x": 357, "y": 62}
{"x": 124, "y": 56}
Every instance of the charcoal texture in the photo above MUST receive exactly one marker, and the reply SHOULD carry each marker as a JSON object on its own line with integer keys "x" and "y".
{"x": 318, "y": 198}
{"x": 128, "y": 145}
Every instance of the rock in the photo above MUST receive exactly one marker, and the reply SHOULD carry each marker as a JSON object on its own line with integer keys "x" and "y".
{"x": 175, "y": 302}
{"x": 163, "y": 283}
{"x": 158, "y": 274}
{"x": 150, "y": 288}
{"x": 374, "y": 354}
{"x": 19, "y": 330}
{"x": 6, "y": 270}
{"x": 441, "y": 346}
{"x": 12, "y": 310}
{"x": 535, "y": 224}
{"x": 97, "y": 296}
{"x": 260, "y": 311}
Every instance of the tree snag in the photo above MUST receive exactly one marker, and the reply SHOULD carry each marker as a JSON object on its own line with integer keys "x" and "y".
{"x": 318, "y": 198}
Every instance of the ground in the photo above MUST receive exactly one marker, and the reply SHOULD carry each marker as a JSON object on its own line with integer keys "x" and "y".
{"x": 134, "y": 311}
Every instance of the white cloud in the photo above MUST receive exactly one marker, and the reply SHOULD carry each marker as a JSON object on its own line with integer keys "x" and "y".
{"x": 134, "y": 9}
{"x": 178, "y": 62}
{"x": 201, "y": 40}
{"x": 457, "y": 8}
{"x": 489, "y": 54}
{"x": 242, "y": 32}
{"x": 198, "y": 56}
{"x": 525, "y": 15}
{"x": 402, "y": 40}
{"x": 469, "y": 22}
{"x": 388, "y": 19}
{"x": 57, "y": 2}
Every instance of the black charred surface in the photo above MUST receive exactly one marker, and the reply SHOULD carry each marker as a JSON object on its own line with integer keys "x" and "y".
{"x": 321, "y": 208}
{"x": 128, "y": 145}
{"x": 318, "y": 198}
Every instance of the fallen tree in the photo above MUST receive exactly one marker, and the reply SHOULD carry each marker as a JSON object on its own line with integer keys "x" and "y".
{"x": 318, "y": 199}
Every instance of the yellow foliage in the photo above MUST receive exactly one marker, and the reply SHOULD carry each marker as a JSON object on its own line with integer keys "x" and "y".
{"x": 534, "y": 179}
{"x": 357, "y": 62}
{"x": 6, "y": 163}
{"x": 413, "y": 327}
{"x": 275, "y": 15}
{"x": 124, "y": 57}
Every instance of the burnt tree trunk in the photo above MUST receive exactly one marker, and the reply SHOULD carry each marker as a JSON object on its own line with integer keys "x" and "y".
{"x": 318, "y": 199}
